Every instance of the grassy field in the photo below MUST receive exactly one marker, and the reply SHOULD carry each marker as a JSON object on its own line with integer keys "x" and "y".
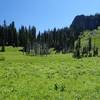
{"x": 52, "y": 77}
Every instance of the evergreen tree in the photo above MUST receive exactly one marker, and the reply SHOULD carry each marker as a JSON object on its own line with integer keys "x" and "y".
{"x": 90, "y": 44}
{"x": 39, "y": 37}
{"x": 77, "y": 49}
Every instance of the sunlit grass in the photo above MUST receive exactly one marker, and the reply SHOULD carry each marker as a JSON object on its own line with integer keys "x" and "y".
{"x": 34, "y": 77}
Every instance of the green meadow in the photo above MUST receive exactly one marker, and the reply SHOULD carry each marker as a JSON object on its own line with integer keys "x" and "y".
{"x": 52, "y": 77}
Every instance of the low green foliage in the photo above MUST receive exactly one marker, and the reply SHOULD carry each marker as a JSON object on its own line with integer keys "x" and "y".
{"x": 2, "y": 58}
{"x": 52, "y": 77}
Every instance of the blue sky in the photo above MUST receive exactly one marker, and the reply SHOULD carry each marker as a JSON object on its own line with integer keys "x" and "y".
{"x": 45, "y": 14}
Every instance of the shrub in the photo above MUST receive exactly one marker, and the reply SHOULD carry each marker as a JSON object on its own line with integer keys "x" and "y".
{"x": 56, "y": 87}
{"x": 3, "y": 49}
{"x": 62, "y": 88}
{"x": 90, "y": 54}
{"x": 2, "y": 58}
{"x": 95, "y": 51}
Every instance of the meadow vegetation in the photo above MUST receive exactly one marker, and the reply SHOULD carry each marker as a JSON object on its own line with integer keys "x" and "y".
{"x": 52, "y": 77}
{"x": 43, "y": 66}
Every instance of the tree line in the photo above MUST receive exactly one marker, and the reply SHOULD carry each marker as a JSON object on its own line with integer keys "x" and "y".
{"x": 26, "y": 37}
{"x": 62, "y": 40}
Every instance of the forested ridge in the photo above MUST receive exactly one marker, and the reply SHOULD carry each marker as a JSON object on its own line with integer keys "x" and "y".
{"x": 60, "y": 39}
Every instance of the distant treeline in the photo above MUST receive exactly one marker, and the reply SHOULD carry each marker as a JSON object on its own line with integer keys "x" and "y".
{"x": 60, "y": 39}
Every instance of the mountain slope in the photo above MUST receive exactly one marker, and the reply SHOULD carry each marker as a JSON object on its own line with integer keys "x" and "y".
{"x": 82, "y": 22}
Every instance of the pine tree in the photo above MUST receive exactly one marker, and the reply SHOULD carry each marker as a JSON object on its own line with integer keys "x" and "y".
{"x": 3, "y": 47}
{"x": 89, "y": 47}
{"x": 90, "y": 44}
{"x": 77, "y": 49}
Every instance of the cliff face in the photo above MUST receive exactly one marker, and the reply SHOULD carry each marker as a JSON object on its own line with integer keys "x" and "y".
{"x": 82, "y": 22}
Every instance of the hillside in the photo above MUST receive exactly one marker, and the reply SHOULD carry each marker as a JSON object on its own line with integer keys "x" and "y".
{"x": 95, "y": 35}
{"x": 52, "y": 77}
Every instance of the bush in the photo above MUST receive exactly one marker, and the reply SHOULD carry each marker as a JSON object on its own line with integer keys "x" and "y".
{"x": 3, "y": 49}
{"x": 95, "y": 51}
{"x": 84, "y": 52}
{"x": 56, "y": 87}
{"x": 77, "y": 53}
{"x": 90, "y": 54}
{"x": 62, "y": 88}
{"x": 2, "y": 58}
